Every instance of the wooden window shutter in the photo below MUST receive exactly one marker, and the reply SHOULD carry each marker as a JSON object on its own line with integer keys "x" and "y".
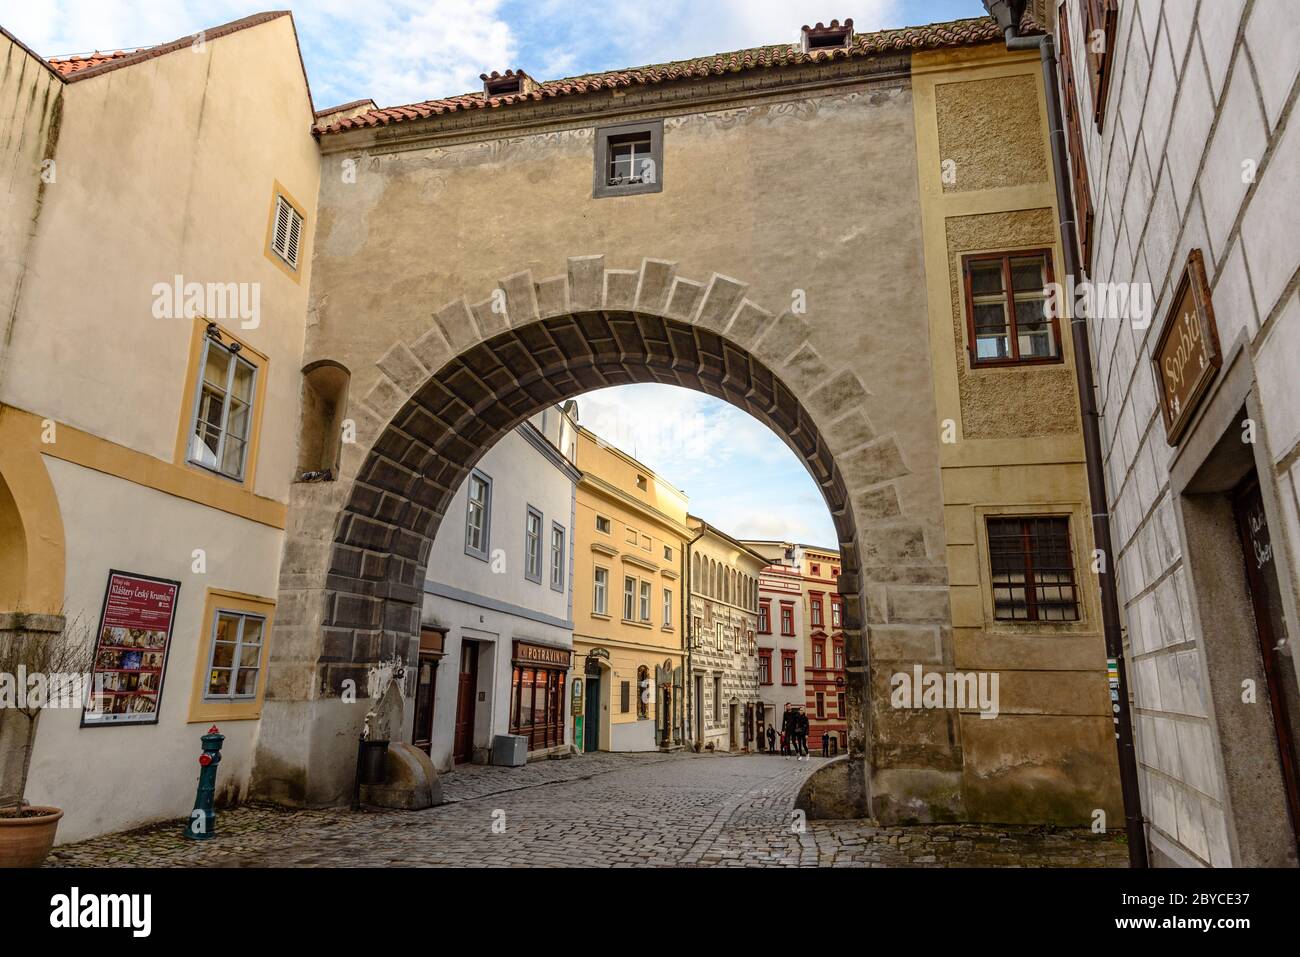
{"x": 1083, "y": 208}
{"x": 1099, "y": 16}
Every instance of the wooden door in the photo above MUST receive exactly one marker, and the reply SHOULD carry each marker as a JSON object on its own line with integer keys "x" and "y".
{"x": 466, "y": 699}
{"x": 591, "y": 717}
{"x": 422, "y": 734}
{"x": 1270, "y": 629}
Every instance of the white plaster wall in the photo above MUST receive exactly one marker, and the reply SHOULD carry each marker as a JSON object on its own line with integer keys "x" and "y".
{"x": 111, "y": 778}
{"x": 521, "y": 476}
{"x": 1200, "y": 95}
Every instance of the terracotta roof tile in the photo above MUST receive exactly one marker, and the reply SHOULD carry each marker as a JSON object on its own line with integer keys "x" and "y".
{"x": 933, "y": 36}
{"x": 75, "y": 64}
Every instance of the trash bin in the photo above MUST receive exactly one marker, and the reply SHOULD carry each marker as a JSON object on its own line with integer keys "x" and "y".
{"x": 510, "y": 750}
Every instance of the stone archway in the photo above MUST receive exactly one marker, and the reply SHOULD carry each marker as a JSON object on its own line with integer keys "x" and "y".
{"x": 352, "y": 581}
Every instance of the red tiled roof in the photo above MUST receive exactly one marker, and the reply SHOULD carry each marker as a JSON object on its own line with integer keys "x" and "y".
{"x": 934, "y": 36}
{"x": 80, "y": 68}
{"x": 75, "y": 64}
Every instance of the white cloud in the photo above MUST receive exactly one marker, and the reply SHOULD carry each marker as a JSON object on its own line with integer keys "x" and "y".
{"x": 738, "y": 474}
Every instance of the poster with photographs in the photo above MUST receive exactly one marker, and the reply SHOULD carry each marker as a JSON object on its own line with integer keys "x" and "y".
{"x": 135, "y": 632}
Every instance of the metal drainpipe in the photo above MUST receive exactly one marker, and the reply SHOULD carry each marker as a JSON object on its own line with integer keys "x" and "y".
{"x": 1128, "y": 774}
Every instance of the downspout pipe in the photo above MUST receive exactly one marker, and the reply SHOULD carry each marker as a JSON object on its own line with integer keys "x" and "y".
{"x": 1007, "y": 15}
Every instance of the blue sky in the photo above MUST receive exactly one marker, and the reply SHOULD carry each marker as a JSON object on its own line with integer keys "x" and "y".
{"x": 404, "y": 51}
{"x": 738, "y": 474}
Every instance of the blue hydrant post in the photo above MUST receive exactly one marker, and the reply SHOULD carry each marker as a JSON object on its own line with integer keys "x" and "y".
{"x": 202, "y": 825}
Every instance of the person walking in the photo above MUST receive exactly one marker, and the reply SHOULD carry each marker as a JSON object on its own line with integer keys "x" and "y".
{"x": 788, "y": 732}
{"x": 802, "y": 720}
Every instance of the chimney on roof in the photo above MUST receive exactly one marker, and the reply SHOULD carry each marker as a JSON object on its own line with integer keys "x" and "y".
{"x": 510, "y": 83}
{"x": 836, "y": 36}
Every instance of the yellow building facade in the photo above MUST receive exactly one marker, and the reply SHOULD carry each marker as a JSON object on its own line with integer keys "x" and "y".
{"x": 629, "y": 535}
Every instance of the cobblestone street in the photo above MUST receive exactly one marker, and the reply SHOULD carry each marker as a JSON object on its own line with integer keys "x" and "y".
{"x": 603, "y": 810}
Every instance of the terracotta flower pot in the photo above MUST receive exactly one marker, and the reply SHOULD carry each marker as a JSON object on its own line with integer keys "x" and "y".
{"x": 26, "y": 841}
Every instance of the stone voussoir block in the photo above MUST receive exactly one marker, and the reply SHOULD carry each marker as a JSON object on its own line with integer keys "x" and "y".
{"x": 457, "y": 325}
{"x": 386, "y": 398}
{"x": 586, "y": 282}
{"x": 620, "y": 289}
{"x": 490, "y": 315}
{"x": 874, "y": 464}
{"x": 654, "y": 285}
{"x": 401, "y": 365}
{"x": 721, "y": 298}
{"x": 748, "y": 324}
{"x": 553, "y": 297}
{"x": 844, "y": 391}
{"x": 521, "y": 299}
{"x": 432, "y": 349}
{"x": 782, "y": 338}
{"x": 683, "y": 299}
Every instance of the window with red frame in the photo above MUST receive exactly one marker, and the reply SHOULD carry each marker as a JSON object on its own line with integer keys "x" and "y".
{"x": 764, "y": 619}
{"x": 817, "y": 612}
{"x": 765, "y": 666}
{"x": 787, "y": 667}
{"x": 821, "y": 704}
{"x": 843, "y": 711}
{"x": 838, "y": 652}
{"x": 1006, "y": 308}
{"x": 816, "y": 570}
{"x": 1032, "y": 567}
{"x": 837, "y": 613}
{"x": 787, "y": 620}
{"x": 819, "y": 654}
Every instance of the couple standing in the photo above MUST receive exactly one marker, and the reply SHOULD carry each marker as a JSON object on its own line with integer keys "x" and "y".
{"x": 794, "y": 732}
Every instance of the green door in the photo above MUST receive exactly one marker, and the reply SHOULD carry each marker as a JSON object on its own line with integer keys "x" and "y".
{"x": 591, "y": 715}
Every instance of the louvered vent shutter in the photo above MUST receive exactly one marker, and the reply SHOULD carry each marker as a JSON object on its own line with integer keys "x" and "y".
{"x": 288, "y": 232}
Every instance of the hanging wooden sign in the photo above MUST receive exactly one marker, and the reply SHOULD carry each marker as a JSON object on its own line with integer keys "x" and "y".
{"x": 1186, "y": 355}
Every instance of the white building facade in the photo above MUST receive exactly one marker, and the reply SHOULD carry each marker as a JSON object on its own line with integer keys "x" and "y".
{"x": 1183, "y": 152}
{"x": 497, "y": 624}
{"x": 780, "y": 635}
{"x": 722, "y": 643}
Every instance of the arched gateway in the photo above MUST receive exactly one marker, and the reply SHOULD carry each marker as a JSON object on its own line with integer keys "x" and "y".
{"x": 819, "y": 183}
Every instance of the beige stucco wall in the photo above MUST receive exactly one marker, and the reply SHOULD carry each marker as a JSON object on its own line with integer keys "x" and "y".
{"x": 155, "y": 179}
{"x": 1016, "y": 449}
{"x": 164, "y": 167}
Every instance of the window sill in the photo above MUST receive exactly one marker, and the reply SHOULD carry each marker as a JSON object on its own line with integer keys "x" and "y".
{"x": 1004, "y": 363}
{"x": 601, "y": 616}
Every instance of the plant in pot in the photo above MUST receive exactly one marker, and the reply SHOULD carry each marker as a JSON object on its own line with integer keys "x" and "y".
{"x": 44, "y": 661}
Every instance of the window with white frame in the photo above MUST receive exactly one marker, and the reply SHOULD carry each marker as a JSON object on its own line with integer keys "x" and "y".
{"x": 629, "y": 598}
{"x": 533, "y": 545}
{"x": 557, "y": 557}
{"x": 600, "y": 592}
{"x": 478, "y": 512}
{"x": 235, "y": 659}
{"x": 223, "y": 409}
{"x": 645, "y": 601}
{"x": 668, "y": 607}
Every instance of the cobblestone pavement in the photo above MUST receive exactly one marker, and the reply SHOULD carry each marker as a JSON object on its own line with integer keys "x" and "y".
{"x": 604, "y": 810}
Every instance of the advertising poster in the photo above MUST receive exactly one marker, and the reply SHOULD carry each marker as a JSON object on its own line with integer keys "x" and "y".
{"x": 135, "y": 633}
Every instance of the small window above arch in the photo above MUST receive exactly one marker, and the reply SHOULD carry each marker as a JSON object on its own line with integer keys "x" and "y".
{"x": 835, "y": 36}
